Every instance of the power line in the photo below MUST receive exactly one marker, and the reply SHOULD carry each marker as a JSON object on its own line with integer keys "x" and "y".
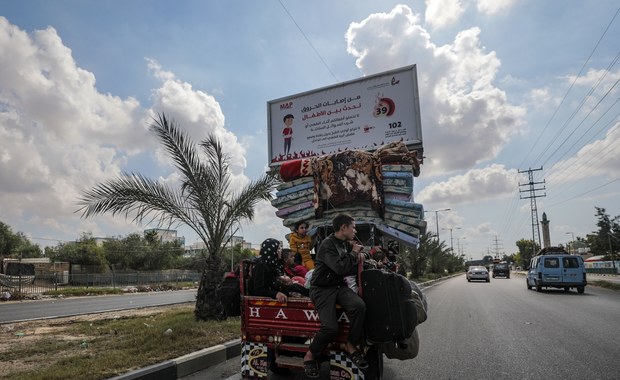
{"x": 571, "y": 86}
{"x": 586, "y": 192}
{"x": 308, "y": 40}
{"x": 578, "y": 109}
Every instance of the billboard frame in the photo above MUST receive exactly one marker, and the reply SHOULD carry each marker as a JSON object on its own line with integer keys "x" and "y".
{"x": 416, "y": 128}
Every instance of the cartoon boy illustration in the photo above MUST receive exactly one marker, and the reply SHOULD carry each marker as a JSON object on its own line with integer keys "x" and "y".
{"x": 287, "y": 133}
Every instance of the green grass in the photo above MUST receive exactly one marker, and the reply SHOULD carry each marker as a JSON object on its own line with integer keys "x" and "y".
{"x": 96, "y": 291}
{"x": 106, "y": 348}
{"x": 75, "y": 292}
{"x": 605, "y": 284}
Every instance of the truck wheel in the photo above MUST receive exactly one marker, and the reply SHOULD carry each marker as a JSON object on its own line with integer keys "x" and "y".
{"x": 566, "y": 289}
{"x": 538, "y": 287}
{"x": 580, "y": 289}
{"x": 273, "y": 367}
{"x": 374, "y": 357}
{"x": 527, "y": 283}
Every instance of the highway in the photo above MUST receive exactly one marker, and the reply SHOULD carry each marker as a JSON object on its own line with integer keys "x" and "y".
{"x": 501, "y": 330}
{"x": 65, "y": 307}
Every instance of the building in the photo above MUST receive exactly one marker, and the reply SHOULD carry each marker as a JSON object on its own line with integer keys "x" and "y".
{"x": 166, "y": 236}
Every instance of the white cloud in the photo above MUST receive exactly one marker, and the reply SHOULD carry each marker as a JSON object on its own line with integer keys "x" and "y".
{"x": 599, "y": 158}
{"x": 460, "y": 104}
{"x": 491, "y": 7}
{"x": 59, "y": 135}
{"x": 441, "y": 13}
{"x": 476, "y": 185}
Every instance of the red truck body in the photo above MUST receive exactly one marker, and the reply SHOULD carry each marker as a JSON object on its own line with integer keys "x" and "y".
{"x": 276, "y": 335}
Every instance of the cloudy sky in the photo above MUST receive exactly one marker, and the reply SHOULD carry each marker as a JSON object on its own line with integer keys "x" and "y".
{"x": 505, "y": 86}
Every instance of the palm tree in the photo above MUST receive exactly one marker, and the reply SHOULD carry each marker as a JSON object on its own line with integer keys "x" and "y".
{"x": 204, "y": 201}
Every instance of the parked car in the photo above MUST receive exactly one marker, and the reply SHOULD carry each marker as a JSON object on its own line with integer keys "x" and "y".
{"x": 478, "y": 273}
{"x": 553, "y": 267}
{"x": 501, "y": 269}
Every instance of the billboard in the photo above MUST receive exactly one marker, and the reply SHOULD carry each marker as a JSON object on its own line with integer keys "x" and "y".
{"x": 360, "y": 114}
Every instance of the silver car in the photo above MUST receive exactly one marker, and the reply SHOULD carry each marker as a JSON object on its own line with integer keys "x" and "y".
{"x": 478, "y": 273}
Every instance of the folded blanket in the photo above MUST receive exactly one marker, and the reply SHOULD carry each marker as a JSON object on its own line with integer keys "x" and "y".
{"x": 295, "y": 182}
{"x": 294, "y": 169}
{"x": 283, "y": 212}
{"x": 398, "y": 182}
{"x": 398, "y": 189}
{"x": 291, "y": 190}
{"x": 298, "y": 216}
{"x": 293, "y": 198}
{"x": 409, "y": 212}
{"x": 397, "y": 168}
{"x": 398, "y": 196}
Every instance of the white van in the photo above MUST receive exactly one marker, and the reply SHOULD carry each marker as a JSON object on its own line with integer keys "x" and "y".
{"x": 553, "y": 267}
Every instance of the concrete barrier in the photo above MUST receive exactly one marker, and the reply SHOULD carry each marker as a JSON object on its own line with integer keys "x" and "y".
{"x": 186, "y": 364}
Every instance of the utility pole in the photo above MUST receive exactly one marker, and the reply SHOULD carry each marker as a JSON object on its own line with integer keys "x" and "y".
{"x": 451, "y": 240}
{"x": 437, "y": 220}
{"x": 496, "y": 251}
{"x": 532, "y": 197}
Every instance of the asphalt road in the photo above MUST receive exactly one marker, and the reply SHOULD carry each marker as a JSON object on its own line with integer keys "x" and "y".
{"x": 59, "y": 307}
{"x": 501, "y": 330}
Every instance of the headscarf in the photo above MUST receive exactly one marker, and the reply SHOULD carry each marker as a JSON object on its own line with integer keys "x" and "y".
{"x": 269, "y": 254}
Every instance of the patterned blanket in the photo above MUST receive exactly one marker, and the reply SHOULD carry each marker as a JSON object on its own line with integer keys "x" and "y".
{"x": 347, "y": 177}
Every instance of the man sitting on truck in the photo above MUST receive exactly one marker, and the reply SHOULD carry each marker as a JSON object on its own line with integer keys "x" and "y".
{"x": 337, "y": 257}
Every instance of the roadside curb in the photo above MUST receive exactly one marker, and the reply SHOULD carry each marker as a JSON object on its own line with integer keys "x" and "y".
{"x": 187, "y": 364}
{"x": 426, "y": 284}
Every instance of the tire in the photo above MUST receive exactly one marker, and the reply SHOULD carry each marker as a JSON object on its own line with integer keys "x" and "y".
{"x": 538, "y": 287}
{"x": 273, "y": 367}
{"x": 581, "y": 289}
{"x": 508, "y": 277}
{"x": 468, "y": 280}
{"x": 488, "y": 280}
{"x": 566, "y": 289}
{"x": 374, "y": 357}
{"x": 527, "y": 283}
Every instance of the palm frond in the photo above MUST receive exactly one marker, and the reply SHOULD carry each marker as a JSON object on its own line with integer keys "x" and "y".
{"x": 182, "y": 150}
{"x": 133, "y": 194}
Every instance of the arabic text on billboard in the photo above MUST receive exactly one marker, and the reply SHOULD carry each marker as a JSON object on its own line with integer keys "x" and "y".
{"x": 361, "y": 114}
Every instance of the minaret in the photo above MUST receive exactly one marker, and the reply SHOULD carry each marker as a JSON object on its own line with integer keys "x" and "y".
{"x": 545, "y": 231}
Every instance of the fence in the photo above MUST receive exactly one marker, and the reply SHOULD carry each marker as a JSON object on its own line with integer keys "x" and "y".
{"x": 63, "y": 280}
{"x": 602, "y": 270}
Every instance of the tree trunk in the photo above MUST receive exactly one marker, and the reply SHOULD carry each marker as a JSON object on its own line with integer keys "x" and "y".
{"x": 208, "y": 306}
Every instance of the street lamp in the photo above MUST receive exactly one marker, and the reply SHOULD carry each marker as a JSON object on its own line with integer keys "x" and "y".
{"x": 459, "y": 247}
{"x": 437, "y": 220}
{"x": 572, "y": 243}
{"x": 451, "y": 245}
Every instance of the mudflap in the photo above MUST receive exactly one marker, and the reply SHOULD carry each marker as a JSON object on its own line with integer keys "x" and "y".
{"x": 254, "y": 362}
{"x": 374, "y": 357}
{"x": 342, "y": 368}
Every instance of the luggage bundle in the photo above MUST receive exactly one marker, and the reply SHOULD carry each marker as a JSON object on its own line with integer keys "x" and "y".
{"x": 390, "y": 309}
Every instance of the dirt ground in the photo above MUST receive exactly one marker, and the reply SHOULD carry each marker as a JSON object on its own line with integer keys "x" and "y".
{"x": 16, "y": 335}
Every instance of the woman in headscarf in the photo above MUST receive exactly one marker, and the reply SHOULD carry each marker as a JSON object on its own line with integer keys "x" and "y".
{"x": 268, "y": 277}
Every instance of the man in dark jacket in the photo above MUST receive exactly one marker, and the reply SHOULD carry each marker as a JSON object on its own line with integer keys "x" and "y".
{"x": 337, "y": 257}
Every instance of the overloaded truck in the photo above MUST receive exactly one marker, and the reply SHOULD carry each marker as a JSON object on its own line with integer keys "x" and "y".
{"x": 357, "y": 151}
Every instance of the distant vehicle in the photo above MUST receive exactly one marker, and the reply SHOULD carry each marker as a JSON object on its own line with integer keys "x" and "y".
{"x": 553, "y": 267}
{"x": 501, "y": 269}
{"x": 478, "y": 273}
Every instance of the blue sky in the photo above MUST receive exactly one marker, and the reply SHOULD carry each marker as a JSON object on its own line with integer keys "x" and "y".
{"x": 504, "y": 86}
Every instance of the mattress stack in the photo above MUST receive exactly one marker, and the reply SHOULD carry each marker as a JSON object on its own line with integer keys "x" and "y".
{"x": 403, "y": 219}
